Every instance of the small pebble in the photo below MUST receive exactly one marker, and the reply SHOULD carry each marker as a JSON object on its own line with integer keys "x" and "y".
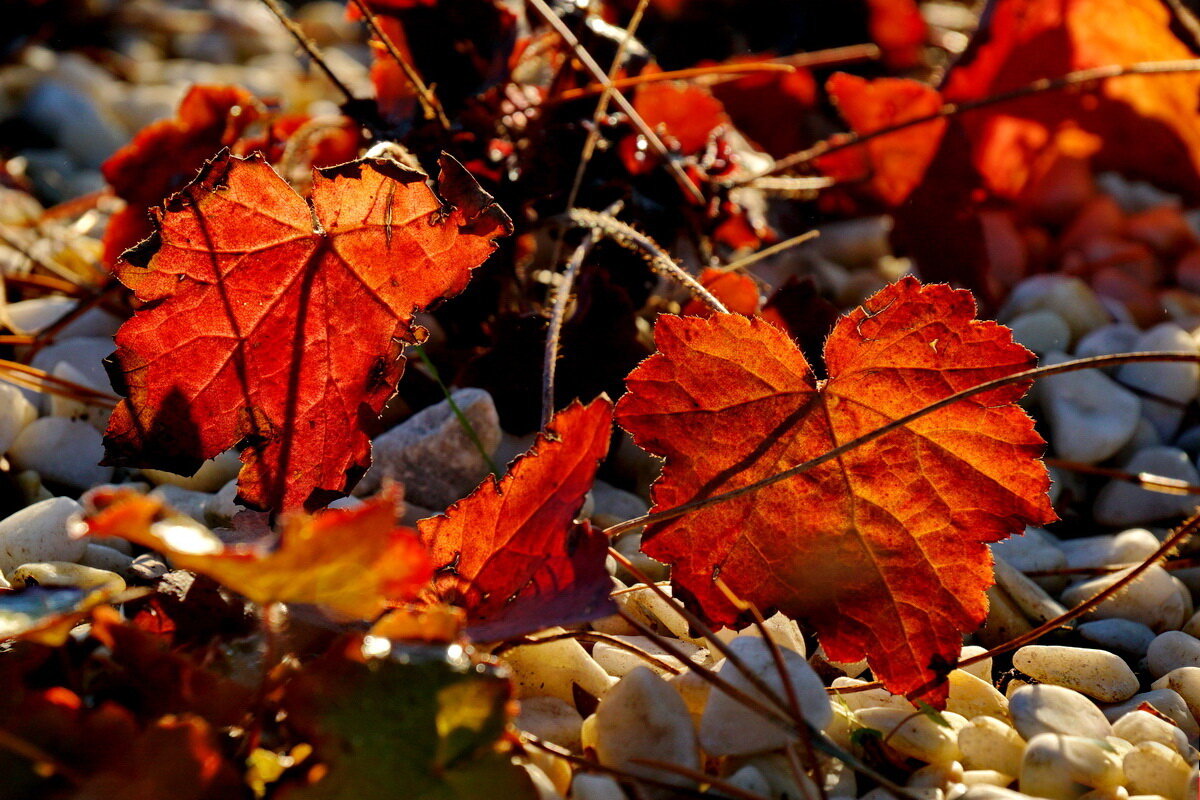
{"x": 1166, "y": 702}
{"x": 1185, "y": 682}
{"x": 1095, "y": 673}
{"x": 147, "y": 568}
{"x": 1127, "y": 547}
{"x": 1154, "y": 598}
{"x": 1055, "y": 766}
{"x": 1155, "y": 768}
{"x": 61, "y": 450}
{"x": 991, "y": 744}
{"x": 973, "y": 697}
{"x": 39, "y": 533}
{"x": 1177, "y": 381}
{"x": 16, "y": 413}
{"x": 644, "y": 718}
{"x": 550, "y": 669}
{"x": 918, "y": 736}
{"x": 593, "y": 786}
{"x": 1091, "y": 416}
{"x": 1171, "y": 650}
{"x": 1067, "y": 296}
{"x": 1041, "y": 331}
{"x": 730, "y": 728}
{"x": 211, "y": 476}
{"x": 1142, "y": 726}
{"x": 551, "y": 719}
{"x": 1126, "y": 636}
{"x": 107, "y": 558}
{"x": 871, "y": 698}
{"x": 1055, "y": 709}
{"x": 1123, "y": 504}
{"x": 65, "y": 574}
{"x": 618, "y": 662}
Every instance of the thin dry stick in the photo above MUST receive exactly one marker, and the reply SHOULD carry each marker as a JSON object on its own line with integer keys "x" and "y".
{"x": 685, "y": 183}
{"x": 1146, "y": 480}
{"x": 589, "y": 636}
{"x": 39, "y": 380}
{"x": 429, "y": 102}
{"x": 1018, "y": 377}
{"x": 46, "y": 282}
{"x": 309, "y": 47}
{"x": 754, "y": 258}
{"x": 8, "y": 240}
{"x": 627, "y": 236}
{"x": 558, "y": 313}
{"x": 690, "y": 74}
{"x": 1079, "y": 78}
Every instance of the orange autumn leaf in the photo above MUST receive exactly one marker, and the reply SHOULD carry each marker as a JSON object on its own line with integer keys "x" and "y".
{"x": 685, "y": 116}
{"x": 900, "y": 31}
{"x": 355, "y": 562}
{"x": 278, "y": 323}
{"x": 895, "y": 163}
{"x": 883, "y": 550}
{"x": 736, "y": 290}
{"x": 511, "y": 554}
{"x": 1148, "y": 125}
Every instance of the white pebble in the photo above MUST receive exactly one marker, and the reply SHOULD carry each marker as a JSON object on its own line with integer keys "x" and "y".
{"x": 1154, "y": 768}
{"x": 1127, "y": 547}
{"x": 1178, "y": 381}
{"x": 1096, "y": 673}
{"x": 16, "y": 412}
{"x": 1154, "y": 598}
{"x": 210, "y": 477}
{"x": 39, "y": 533}
{"x": 980, "y": 669}
{"x": 618, "y": 661}
{"x": 107, "y": 558}
{"x": 1041, "y": 331}
{"x": 991, "y": 744}
{"x": 1124, "y": 504}
{"x": 1185, "y": 682}
{"x": 61, "y": 450}
{"x": 1091, "y": 416}
{"x": 1056, "y": 766}
{"x": 973, "y": 697}
{"x": 1127, "y": 636}
{"x": 871, "y": 698}
{"x": 1054, "y": 709}
{"x": 729, "y": 728}
{"x": 1166, "y": 702}
{"x": 644, "y": 718}
{"x": 916, "y": 736}
{"x": 550, "y": 669}
{"x": 593, "y": 786}
{"x": 551, "y": 719}
{"x": 1065, "y": 295}
{"x": 1172, "y": 650}
{"x": 1142, "y": 726}
{"x": 66, "y": 574}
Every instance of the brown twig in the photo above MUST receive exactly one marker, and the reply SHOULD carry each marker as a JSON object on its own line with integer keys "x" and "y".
{"x": 39, "y": 380}
{"x": 429, "y": 102}
{"x": 1146, "y": 480}
{"x": 589, "y": 63}
{"x": 310, "y": 48}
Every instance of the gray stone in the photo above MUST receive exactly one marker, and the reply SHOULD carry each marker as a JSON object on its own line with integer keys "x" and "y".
{"x": 1091, "y": 416}
{"x": 61, "y": 450}
{"x": 1054, "y": 709}
{"x": 1122, "y": 504}
{"x": 431, "y": 454}
{"x": 1176, "y": 381}
{"x": 39, "y": 533}
{"x": 1123, "y": 635}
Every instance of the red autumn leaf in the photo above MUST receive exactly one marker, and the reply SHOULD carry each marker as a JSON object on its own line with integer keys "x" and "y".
{"x": 685, "y": 116}
{"x": 771, "y": 108}
{"x": 511, "y": 553}
{"x": 167, "y": 154}
{"x": 899, "y": 29}
{"x": 894, "y": 163}
{"x": 356, "y": 562}
{"x": 1149, "y": 125}
{"x": 736, "y": 290}
{"x": 883, "y": 550}
{"x": 275, "y": 323}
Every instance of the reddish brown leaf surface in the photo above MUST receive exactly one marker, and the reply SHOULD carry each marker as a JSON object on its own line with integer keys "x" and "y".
{"x": 356, "y": 562}
{"x": 899, "y": 29}
{"x": 895, "y": 163}
{"x": 685, "y": 116}
{"x": 511, "y": 554}
{"x": 276, "y": 323}
{"x": 736, "y": 290}
{"x": 1149, "y": 126}
{"x": 884, "y": 549}
{"x": 166, "y": 154}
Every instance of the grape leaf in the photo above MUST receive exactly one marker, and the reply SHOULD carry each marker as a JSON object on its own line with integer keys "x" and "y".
{"x": 276, "y": 323}
{"x": 884, "y": 549}
{"x": 355, "y": 561}
{"x": 166, "y": 154}
{"x": 511, "y": 553}
{"x": 419, "y": 725}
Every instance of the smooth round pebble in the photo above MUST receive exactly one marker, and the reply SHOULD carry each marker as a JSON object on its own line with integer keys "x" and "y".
{"x": 61, "y": 450}
{"x": 16, "y": 413}
{"x": 1055, "y": 709}
{"x": 1053, "y": 765}
{"x": 39, "y": 533}
{"x": 1124, "y": 635}
{"x": 1095, "y": 673}
{"x": 991, "y": 744}
{"x": 1166, "y": 702}
{"x": 1154, "y": 768}
{"x": 1155, "y": 598}
{"x": 1172, "y": 650}
{"x": 1123, "y": 504}
{"x": 1185, "y": 682}
{"x": 642, "y": 717}
{"x": 1142, "y": 726}
{"x": 1091, "y": 416}
{"x": 916, "y": 736}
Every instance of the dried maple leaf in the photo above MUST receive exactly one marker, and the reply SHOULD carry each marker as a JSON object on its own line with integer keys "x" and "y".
{"x": 277, "y": 323}
{"x": 884, "y": 549}
{"x": 736, "y": 290}
{"x": 166, "y": 154}
{"x": 511, "y": 553}
{"x": 355, "y": 562}
{"x": 894, "y": 163}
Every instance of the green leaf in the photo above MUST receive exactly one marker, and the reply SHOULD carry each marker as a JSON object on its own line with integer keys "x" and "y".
{"x": 418, "y": 724}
